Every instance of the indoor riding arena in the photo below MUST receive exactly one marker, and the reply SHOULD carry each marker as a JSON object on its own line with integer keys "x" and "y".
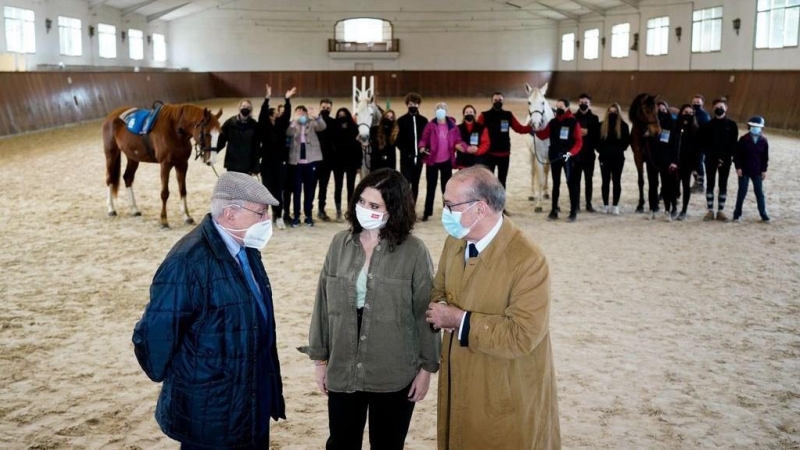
{"x": 666, "y": 334}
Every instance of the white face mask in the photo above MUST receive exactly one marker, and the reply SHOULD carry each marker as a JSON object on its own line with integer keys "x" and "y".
{"x": 257, "y": 235}
{"x": 369, "y": 220}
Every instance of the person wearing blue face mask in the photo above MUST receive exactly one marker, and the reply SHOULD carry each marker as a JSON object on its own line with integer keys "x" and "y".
{"x": 751, "y": 158}
{"x": 440, "y": 140}
{"x": 304, "y": 155}
{"x": 491, "y": 296}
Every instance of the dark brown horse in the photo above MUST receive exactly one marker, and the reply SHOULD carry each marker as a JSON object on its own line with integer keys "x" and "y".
{"x": 168, "y": 144}
{"x": 644, "y": 119}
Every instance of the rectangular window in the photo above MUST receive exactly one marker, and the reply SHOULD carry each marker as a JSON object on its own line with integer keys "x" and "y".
{"x": 707, "y": 30}
{"x": 363, "y": 30}
{"x": 591, "y": 44}
{"x": 20, "y": 30}
{"x": 620, "y": 40}
{"x": 107, "y": 39}
{"x": 658, "y": 36}
{"x": 777, "y": 23}
{"x": 159, "y": 47}
{"x": 568, "y": 47}
{"x": 69, "y": 36}
{"x": 136, "y": 43}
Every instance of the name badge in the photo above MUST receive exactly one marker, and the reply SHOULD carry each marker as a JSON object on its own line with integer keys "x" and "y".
{"x": 664, "y": 136}
{"x": 563, "y": 133}
{"x": 473, "y": 139}
{"x": 504, "y": 126}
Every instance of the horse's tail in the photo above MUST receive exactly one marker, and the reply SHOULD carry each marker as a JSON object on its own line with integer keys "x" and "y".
{"x": 113, "y": 157}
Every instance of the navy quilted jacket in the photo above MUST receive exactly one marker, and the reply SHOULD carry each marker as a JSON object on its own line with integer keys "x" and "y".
{"x": 203, "y": 335}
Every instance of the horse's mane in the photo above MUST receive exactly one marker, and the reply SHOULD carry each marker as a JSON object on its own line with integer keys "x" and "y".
{"x": 182, "y": 111}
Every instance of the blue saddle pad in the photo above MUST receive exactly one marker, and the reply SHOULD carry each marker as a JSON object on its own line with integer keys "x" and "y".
{"x": 141, "y": 121}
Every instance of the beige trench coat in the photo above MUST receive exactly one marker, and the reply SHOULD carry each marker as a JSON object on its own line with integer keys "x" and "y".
{"x": 500, "y": 391}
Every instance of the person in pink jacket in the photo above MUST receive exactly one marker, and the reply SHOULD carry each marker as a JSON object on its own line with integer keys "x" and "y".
{"x": 438, "y": 145}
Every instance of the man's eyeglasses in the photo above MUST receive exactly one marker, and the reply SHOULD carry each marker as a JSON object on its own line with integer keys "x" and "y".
{"x": 452, "y": 205}
{"x": 260, "y": 214}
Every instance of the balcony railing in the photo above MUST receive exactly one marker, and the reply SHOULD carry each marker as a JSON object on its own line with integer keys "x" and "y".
{"x": 390, "y": 46}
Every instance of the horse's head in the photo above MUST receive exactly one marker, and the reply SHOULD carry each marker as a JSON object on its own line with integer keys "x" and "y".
{"x": 538, "y": 108}
{"x": 644, "y": 113}
{"x": 365, "y": 117}
{"x": 204, "y": 134}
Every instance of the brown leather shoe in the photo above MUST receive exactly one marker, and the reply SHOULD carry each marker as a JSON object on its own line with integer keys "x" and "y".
{"x": 721, "y": 216}
{"x": 709, "y": 216}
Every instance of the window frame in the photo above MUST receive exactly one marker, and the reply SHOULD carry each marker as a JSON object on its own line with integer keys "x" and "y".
{"x": 595, "y": 41}
{"x": 131, "y": 39}
{"x": 662, "y": 28}
{"x": 619, "y": 35}
{"x": 698, "y": 27}
{"x": 27, "y": 29}
{"x": 572, "y": 47}
{"x": 104, "y": 36}
{"x": 766, "y": 13}
{"x": 163, "y": 39}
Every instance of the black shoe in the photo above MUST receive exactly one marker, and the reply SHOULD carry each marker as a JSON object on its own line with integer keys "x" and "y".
{"x": 309, "y": 222}
{"x": 295, "y": 222}
{"x": 765, "y": 218}
{"x": 558, "y": 209}
{"x": 321, "y": 215}
{"x": 589, "y": 208}
{"x": 425, "y": 217}
{"x": 572, "y": 216}
{"x": 553, "y": 215}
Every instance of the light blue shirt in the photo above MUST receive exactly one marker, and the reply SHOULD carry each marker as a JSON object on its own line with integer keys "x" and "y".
{"x": 233, "y": 247}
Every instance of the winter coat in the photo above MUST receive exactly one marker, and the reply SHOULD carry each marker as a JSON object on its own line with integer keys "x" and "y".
{"x": 430, "y": 141}
{"x": 752, "y": 157}
{"x": 500, "y": 391}
{"x": 313, "y": 148}
{"x": 243, "y": 145}
{"x": 612, "y": 148}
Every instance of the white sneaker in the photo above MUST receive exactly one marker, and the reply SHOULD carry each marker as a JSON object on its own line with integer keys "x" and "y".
{"x": 281, "y": 224}
{"x": 668, "y": 216}
{"x": 616, "y": 211}
{"x": 606, "y": 209}
{"x": 652, "y": 215}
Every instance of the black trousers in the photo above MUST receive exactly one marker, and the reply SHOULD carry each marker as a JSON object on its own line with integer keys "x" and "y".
{"x": 669, "y": 188}
{"x": 338, "y": 180}
{"x": 323, "y": 178}
{"x": 611, "y": 171}
{"x": 652, "y": 185}
{"x": 557, "y": 166}
{"x": 389, "y": 418}
{"x": 288, "y": 190}
{"x": 412, "y": 173}
{"x": 273, "y": 175}
{"x": 712, "y": 170}
{"x": 431, "y": 176}
{"x": 686, "y": 185}
{"x": 585, "y": 168}
{"x": 305, "y": 180}
{"x": 501, "y": 163}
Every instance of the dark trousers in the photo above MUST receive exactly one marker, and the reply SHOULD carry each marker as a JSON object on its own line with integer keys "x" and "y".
{"x": 686, "y": 184}
{"x": 712, "y": 170}
{"x": 652, "y": 186}
{"x": 288, "y": 190}
{"x": 758, "y": 188}
{"x": 323, "y": 178}
{"x": 338, "y": 181}
{"x": 263, "y": 444}
{"x": 305, "y": 181}
{"x": 585, "y": 168}
{"x": 611, "y": 171}
{"x": 501, "y": 163}
{"x": 431, "y": 176}
{"x": 273, "y": 175}
{"x": 701, "y": 168}
{"x": 669, "y": 188}
{"x": 412, "y": 173}
{"x": 389, "y": 418}
{"x": 556, "y": 167}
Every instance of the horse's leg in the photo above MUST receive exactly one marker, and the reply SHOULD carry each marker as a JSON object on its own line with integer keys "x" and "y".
{"x": 165, "y": 169}
{"x": 130, "y": 173}
{"x": 546, "y": 181}
{"x": 113, "y": 163}
{"x": 534, "y": 172}
{"x": 180, "y": 173}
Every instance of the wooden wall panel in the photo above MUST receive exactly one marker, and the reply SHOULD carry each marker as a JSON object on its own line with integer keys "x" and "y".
{"x": 772, "y": 94}
{"x": 38, "y": 100}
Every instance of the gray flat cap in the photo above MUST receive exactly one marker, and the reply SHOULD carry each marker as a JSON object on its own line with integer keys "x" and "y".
{"x": 240, "y": 186}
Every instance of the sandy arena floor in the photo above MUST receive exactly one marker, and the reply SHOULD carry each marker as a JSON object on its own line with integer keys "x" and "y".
{"x": 675, "y": 335}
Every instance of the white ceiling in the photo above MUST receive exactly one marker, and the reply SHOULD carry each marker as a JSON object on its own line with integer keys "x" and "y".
{"x": 409, "y": 13}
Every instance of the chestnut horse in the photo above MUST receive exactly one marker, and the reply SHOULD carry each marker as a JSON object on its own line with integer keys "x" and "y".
{"x": 644, "y": 119}
{"x": 168, "y": 144}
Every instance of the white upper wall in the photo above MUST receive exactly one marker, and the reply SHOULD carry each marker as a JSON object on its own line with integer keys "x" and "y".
{"x": 738, "y": 51}
{"x": 47, "y": 45}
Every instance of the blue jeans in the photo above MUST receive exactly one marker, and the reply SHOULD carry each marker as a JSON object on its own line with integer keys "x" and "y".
{"x": 744, "y": 181}
{"x": 305, "y": 181}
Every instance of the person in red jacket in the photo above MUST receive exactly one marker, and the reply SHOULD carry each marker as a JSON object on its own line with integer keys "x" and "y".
{"x": 499, "y": 121}
{"x": 566, "y": 141}
{"x": 476, "y": 138}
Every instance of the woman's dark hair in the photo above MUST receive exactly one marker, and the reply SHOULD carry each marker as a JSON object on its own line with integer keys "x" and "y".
{"x": 465, "y": 108}
{"x": 346, "y": 112}
{"x": 693, "y": 125}
{"x": 396, "y": 193}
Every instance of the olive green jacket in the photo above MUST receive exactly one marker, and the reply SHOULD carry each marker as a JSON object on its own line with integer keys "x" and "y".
{"x": 395, "y": 340}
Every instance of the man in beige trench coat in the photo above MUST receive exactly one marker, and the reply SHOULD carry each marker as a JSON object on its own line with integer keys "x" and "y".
{"x": 491, "y": 295}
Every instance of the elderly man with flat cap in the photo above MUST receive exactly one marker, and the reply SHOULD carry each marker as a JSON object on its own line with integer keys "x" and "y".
{"x": 208, "y": 332}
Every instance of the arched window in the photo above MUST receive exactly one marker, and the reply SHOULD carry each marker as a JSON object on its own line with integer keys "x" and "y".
{"x": 363, "y": 34}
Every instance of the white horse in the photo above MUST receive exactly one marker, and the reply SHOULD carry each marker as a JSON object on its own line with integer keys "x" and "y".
{"x": 539, "y": 115}
{"x": 367, "y": 114}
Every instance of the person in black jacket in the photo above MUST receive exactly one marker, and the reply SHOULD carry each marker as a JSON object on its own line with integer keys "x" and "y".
{"x": 208, "y": 332}
{"x": 409, "y": 132}
{"x": 661, "y": 161}
{"x": 239, "y": 134}
{"x": 751, "y": 159}
{"x": 718, "y": 139}
{"x": 274, "y": 153}
{"x": 325, "y": 166}
{"x": 684, "y": 139}
{"x": 347, "y": 157}
{"x": 498, "y": 122}
{"x": 613, "y": 139}
{"x": 382, "y": 140}
{"x": 585, "y": 160}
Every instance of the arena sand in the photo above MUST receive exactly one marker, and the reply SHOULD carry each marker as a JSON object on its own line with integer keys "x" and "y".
{"x": 666, "y": 335}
